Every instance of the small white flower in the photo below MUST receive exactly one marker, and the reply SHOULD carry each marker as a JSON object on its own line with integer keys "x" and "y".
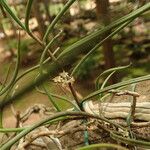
{"x": 64, "y": 79}
{"x": 57, "y": 79}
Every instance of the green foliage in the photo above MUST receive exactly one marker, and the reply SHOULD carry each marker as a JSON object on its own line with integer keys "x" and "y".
{"x": 58, "y": 63}
{"x": 87, "y": 67}
{"x": 102, "y": 146}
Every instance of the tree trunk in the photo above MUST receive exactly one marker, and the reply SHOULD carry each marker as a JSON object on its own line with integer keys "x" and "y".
{"x": 103, "y": 15}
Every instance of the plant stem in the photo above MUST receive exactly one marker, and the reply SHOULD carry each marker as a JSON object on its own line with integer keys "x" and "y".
{"x": 52, "y": 117}
{"x": 75, "y": 96}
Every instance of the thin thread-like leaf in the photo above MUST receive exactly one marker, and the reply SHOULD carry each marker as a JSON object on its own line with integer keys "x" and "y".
{"x": 15, "y": 71}
{"x": 57, "y": 18}
{"x": 27, "y": 14}
{"x": 106, "y": 80}
{"x": 52, "y": 117}
{"x": 6, "y": 130}
{"x": 102, "y": 146}
{"x": 130, "y": 141}
{"x": 11, "y": 13}
{"x": 93, "y": 38}
{"x": 7, "y": 74}
{"x": 51, "y": 99}
{"x": 117, "y": 85}
{"x": 97, "y": 46}
{"x": 61, "y": 98}
{"x": 107, "y": 71}
{"x": 27, "y": 18}
{"x": 71, "y": 52}
{"x": 45, "y": 51}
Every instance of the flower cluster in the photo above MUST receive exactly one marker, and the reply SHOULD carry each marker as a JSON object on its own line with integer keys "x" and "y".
{"x": 64, "y": 79}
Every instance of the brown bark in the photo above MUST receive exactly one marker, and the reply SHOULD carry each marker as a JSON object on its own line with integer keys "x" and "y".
{"x": 103, "y": 15}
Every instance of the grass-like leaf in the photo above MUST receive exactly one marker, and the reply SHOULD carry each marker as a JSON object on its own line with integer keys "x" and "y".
{"x": 106, "y": 80}
{"x": 12, "y": 14}
{"x": 61, "y": 98}
{"x": 27, "y": 14}
{"x": 45, "y": 51}
{"x": 76, "y": 49}
{"x": 117, "y": 85}
{"x": 77, "y": 67}
{"x": 108, "y": 71}
{"x": 57, "y": 18}
{"x": 51, "y": 118}
{"x": 129, "y": 141}
{"x": 10, "y": 84}
{"x": 92, "y": 39}
{"x": 27, "y": 18}
{"x": 102, "y": 146}
{"x": 51, "y": 99}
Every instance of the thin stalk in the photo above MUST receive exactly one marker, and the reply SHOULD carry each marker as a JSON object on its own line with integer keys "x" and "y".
{"x": 27, "y": 18}
{"x": 59, "y": 97}
{"x": 117, "y": 85}
{"x": 15, "y": 71}
{"x": 108, "y": 71}
{"x": 27, "y": 14}
{"x": 52, "y": 117}
{"x": 97, "y": 46}
{"x": 106, "y": 80}
{"x": 75, "y": 96}
{"x": 51, "y": 99}
{"x": 57, "y": 18}
{"x": 11, "y": 13}
{"x": 6, "y": 130}
{"x": 45, "y": 51}
{"x": 102, "y": 146}
{"x": 130, "y": 141}
{"x": 7, "y": 74}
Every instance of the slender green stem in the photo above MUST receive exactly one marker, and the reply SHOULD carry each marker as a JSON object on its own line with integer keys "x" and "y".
{"x": 57, "y": 18}
{"x": 15, "y": 71}
{"x": 92, "y": 39}
{"x": 108, "y": 71}
{"x": 130, "y": 141}
{"x": 117, "y": 85}
{"x": 51, "y": 99}
{"x": 27, "y": 17}
{"x": 98, "y": 45}
{"x": 45, "y": 51}
{"x": 102, "y": 146}
{"x": 6, "y": 130}
{"x": 7, "y": 74}
{"x": 106, "y": 80}
{"x": 11, "y": 13}
{"x": 52, "y": 117}
{"x": 27, "y": 14}
{"x": 59, "y": 97}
